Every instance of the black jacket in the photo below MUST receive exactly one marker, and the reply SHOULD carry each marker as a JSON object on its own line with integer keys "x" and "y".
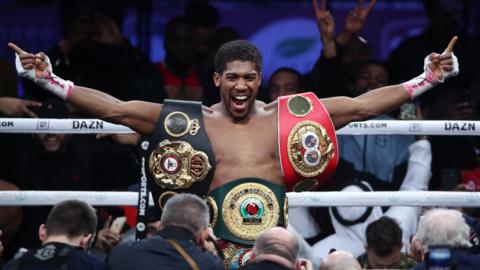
{"x": 56, "y": 255}
{"x": 461, "y": 259}
{"x": 156, "y": 253}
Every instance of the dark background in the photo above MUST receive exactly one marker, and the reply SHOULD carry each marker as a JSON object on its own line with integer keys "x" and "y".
{"x": 285, "y": 30}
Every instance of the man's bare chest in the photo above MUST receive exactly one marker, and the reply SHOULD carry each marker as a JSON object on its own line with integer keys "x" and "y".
{"x": 253, "y": 142}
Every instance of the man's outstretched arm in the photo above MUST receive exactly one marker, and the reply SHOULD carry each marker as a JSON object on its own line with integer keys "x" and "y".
{"x": 438, "y": 67}
{"x": 138, "y": 115}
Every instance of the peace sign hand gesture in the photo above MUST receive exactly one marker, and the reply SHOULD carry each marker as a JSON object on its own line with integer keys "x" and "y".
{"x": 325, "y": 21}
{"x": 357, "y": 17}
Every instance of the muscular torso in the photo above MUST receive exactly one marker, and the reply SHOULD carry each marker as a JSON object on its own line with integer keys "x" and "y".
{"x": 244, "y": 149}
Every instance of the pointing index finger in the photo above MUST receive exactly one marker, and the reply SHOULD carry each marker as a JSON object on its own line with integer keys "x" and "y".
{"x": 450, "y": 46}
{"x": 16, "y": 48}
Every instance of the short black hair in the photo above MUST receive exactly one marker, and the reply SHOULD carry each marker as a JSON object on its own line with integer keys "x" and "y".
{"x": 202, "y": 13}
{"x": 237, "y": 50}
{"x": 170, "y": 27}
{"x": 71, "y": 218}
{"x": 288, "y": 70}
{"x": 383, "y": 235}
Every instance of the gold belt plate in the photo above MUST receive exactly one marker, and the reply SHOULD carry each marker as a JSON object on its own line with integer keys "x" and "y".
{"x": 250, "y": 208}
{"x": 176, "y": 165}
{"x": 309, "y": 148}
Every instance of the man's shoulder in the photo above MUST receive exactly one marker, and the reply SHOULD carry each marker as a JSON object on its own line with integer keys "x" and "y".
{"x": 406, "y": 262}
{"x": 156, "y": 250}
{"x": 123, "y": 255}
{"x": 53, "y": 256}
{"x": 80, "y": 259}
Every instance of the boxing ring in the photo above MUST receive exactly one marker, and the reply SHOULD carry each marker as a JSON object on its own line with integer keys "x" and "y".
{"x": 296, "y": 199}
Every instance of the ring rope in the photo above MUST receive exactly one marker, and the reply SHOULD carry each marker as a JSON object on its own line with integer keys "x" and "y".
{"x": 295, "y": 199}
{"x": 386, "y": 127}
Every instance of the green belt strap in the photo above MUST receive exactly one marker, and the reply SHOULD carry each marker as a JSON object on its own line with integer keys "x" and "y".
{"x": 241, "y": 209}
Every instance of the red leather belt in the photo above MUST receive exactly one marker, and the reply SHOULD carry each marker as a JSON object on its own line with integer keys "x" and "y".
{"x": 307, "y": 141}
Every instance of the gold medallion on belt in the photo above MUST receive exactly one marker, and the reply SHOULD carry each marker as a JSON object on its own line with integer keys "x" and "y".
{"x": 309, "y": 148}
{"x": 178, "y": 123}
{"x": 250, "y": 208}
{"x": 176, "y": 165}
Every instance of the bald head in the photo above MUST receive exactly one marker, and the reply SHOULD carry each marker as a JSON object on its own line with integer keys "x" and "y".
{"x": 340, "y": 260}
{"x": 277, "y": 241}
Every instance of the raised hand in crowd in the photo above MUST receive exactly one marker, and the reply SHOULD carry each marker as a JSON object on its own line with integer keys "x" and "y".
{"x": 325, "y": 21}
{"x": 107, "y": 239}
{"x": 355, "y": 21}
{"x": 15, "y": 107}
{"x": 326, "y": 27}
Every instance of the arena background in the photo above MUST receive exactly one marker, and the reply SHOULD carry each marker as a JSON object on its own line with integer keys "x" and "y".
{"x": 285, "y": 30}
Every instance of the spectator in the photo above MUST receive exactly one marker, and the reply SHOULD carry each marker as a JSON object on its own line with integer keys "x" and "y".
{"x": 276, "y": 248}
{"x": 448, "y": 172}
{"x": 181, "y": 242}
{"x": 445, "y": 19}
{"x": 334, "y": 71}
{"x": 284, "y": 81}
{"x": 384, "y": 245}
{"x": 204, "y": 17}
{"x": 181, "y": 78}
{"x": 340, "y": 260}
{"x": 10, "y": 220}
{"x": 350, "y": 222}
{"x": 380, "y": 160}
{"x": 65, "y": 236}
{"x": 48, "y": 161}
{"x": 93, "y": 52}
{"x": 445, "y": 227}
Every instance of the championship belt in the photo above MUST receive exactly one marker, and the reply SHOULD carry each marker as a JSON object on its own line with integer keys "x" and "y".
{"x": 178, "y": 157}
{"x": 307, "y": 141}
{"x": 242, "y": 209}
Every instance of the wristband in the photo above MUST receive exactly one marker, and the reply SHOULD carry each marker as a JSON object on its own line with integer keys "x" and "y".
{"x": 49, "y": 81}
{"x": 54, "y": 84}
{"x": 420, "y": 84}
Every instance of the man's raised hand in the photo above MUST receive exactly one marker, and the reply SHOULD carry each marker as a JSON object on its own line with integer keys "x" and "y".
{"x": 357, "y": 17}
{"x": 444, "y": 65}
{"x": 437, "y": 68}
{"x": 37, "y": 68}
{"x": 30, "y": 66}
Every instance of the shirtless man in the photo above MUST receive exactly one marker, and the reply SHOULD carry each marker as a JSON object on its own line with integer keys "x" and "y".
{"x": 243, "y": 131}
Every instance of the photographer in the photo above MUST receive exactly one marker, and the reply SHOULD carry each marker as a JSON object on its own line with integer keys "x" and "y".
{"x": 442, "y": 240}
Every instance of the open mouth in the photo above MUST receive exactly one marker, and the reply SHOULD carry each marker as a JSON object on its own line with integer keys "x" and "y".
{"x": 239, "y": 102}
{"x": 51, "y": 142}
